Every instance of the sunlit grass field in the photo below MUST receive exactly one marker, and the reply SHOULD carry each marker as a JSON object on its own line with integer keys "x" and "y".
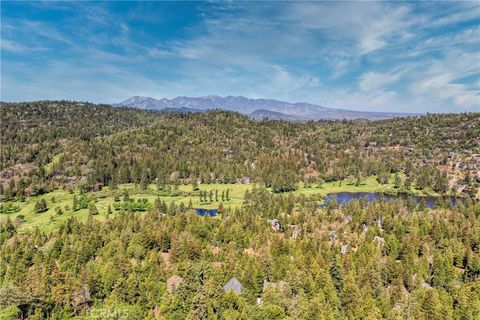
{"x": 49, "y": 220}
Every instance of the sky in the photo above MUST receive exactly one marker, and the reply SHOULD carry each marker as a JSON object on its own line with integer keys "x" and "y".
{"x": 375, "y": 56}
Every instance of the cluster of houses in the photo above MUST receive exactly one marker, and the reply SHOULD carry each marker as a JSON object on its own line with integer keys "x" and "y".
{"x": 334, "y": 240}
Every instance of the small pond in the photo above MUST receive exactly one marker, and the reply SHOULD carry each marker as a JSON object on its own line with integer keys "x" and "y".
{"x": 203, "y": 212}
{"x": 430, "y": 202}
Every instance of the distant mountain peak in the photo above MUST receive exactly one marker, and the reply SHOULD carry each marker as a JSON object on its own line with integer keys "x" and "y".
{"x": 255, "y": 108}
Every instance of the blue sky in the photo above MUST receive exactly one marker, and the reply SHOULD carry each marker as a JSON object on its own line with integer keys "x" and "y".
{"x": 380, "y": 56}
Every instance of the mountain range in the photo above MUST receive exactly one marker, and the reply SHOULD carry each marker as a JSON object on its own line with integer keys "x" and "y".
{"x": 258, "y": 109}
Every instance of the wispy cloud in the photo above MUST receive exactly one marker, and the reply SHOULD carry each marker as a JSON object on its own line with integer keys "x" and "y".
{"x": 406, "y": 56}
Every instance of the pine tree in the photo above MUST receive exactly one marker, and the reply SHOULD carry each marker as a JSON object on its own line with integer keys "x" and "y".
{"x": 408, "y": 183}
{"x": 194, "y": 185}
{"x": 398, "y": 181}
{"x": 92, "y": 209}
{"x": 336, "y": 274}
{"x": 75, "y": 203}
{"x": 40, "y": 206}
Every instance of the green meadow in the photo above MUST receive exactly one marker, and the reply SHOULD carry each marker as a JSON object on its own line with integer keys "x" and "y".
{"x": 62, "y": 200}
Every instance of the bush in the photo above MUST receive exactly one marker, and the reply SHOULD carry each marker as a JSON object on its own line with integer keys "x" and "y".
{"x": 10, "y": 313}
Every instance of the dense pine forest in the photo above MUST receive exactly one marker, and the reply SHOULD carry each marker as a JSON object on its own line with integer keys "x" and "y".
{"x": 47, "y": 145}
{"x": 271, "y": 252}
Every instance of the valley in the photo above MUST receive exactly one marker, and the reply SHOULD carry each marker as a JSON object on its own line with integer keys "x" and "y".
{"x": 123, "y": 211}
{"x": 239, "y": 160}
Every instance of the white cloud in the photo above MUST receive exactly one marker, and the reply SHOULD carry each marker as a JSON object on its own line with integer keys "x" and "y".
{"x": 468, "y": 11}
{"x": 381, "y": 56}
{"x": 442, "y": 79}
{"x": 370, "y": 26}
{"x": 374, "y": 80}
{"x": 13, "y": 46}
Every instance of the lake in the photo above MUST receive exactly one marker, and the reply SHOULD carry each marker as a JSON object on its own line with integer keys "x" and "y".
{"x": 203, "y": 212}
{"x": 430, "y": 202}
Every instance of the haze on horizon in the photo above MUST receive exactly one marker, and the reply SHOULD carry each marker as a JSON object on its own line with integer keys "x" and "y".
{"x": 369, "y": 56}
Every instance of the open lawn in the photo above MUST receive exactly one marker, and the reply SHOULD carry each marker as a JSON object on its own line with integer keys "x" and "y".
{"x": 63, "y": 199}
{"x": 49, "y": 220}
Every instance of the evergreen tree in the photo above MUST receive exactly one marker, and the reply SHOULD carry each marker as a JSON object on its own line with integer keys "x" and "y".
{"x": 40, "y": 206}
{"x": 74, "y": 203}
{"x": 92, "y": 209}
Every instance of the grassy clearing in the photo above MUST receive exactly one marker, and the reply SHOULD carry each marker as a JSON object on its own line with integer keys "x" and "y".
{"x": 370, "y": 184}
{"x": 50, "y": 220}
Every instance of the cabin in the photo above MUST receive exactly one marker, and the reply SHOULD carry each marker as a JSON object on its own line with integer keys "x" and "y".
{"x": 215, "y": 250}
{"x": 426, "y": 286}
{"x": 249, "y": 251}
{"x": 379, "y": 240}
{"x": 332, "y": 235}
{"x": 364, "y": 227}
{"x": 233, "y": 285}
{"x": 173, "y": 282}
{"x": 275, "y": 224}
{"x": 295, "y": 230}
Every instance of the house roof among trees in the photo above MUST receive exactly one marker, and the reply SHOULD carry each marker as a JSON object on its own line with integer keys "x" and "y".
{"x": 233, "y": 285}
{"x": 173, "y": 282}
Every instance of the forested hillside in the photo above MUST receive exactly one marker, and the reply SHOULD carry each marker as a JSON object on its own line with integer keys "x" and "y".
{"x": 118, "y": 188}
{"x": 291, "y": 259}
{"x": 47, "y": 145}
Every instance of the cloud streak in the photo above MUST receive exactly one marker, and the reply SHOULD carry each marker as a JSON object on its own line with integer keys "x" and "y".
{"x": 390, "y": 56}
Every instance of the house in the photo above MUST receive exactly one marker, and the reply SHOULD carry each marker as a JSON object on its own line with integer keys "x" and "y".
{"x": 249, "y": 251}
{"x": 245, "y": 180}
{"x": 332, "y": 235}
{"x": 275, "y": 224}
{"x": 347, "y": 219}
{"x": 344, "y": 249}
{"x": 379, "y": 240}
{"x": 426, "y": 286}
{"x": 133, "y": 262}
{"x": 216, "y": 250}
{"x": 165, "y": 257}
{"x": 71, "y": 179}
{"x": 156, "y": 312}
{"x": 173, "y": 282}
{"x": 295, "y": 230}
{"x": 458, "y": 188}
{"x": 233, "y": 285}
